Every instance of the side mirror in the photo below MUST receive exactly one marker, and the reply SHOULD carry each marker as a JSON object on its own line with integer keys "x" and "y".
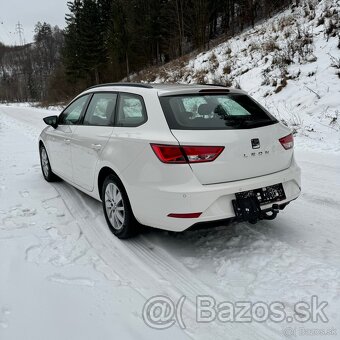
{"x": 52, "y": 121}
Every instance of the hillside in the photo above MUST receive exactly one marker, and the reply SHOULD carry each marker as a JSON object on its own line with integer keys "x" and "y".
{"x": 289, "y": 63}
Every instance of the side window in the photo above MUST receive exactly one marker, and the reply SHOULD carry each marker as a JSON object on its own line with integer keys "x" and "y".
{"x": 101, "y": 109}
{"x": 71, "y": 114}
{"x": 131, "y": 110}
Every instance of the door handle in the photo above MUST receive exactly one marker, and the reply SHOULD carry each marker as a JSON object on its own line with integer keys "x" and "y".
{"x": 67, "y": 141}
{"x": 96, "y": 147}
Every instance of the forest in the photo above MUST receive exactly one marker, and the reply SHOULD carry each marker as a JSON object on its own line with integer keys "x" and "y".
{"x": 110, "y": 40}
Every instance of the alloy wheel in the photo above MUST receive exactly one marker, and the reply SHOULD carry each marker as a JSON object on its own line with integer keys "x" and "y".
{"x": 114, "y": 206}
{"x": 45, "y": 162}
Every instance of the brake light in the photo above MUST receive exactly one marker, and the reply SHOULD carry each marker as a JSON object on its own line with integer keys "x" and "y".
{"x": 287, "y": 142}
{"x": 175, "y": 154}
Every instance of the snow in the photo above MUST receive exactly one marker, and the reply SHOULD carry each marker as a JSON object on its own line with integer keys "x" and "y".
{"x": 63, "y": 274}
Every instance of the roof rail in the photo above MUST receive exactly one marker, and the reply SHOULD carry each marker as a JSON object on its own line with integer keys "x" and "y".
{"x": 146, "y": 86}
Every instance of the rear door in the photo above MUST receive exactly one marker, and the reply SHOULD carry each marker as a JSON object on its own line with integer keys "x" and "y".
{"x": 90, "y": 138}
{"x": 250, "y": 135}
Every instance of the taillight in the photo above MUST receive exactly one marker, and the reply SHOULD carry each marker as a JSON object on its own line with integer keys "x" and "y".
{"x": 169, "y": 153}
{"x": 200, "y": 154}
{"x": 186, "y": 154}
{"x": 287, "y": 142}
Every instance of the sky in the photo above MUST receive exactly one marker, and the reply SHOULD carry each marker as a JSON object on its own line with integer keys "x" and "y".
{"x": 28, "y": 13}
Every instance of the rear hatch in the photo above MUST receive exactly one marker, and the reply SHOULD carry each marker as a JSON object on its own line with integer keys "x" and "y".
{"x": 249, "y": 135}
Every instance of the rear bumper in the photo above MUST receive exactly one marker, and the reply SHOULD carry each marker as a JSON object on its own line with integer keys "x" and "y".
{"x": 152, "y": 206}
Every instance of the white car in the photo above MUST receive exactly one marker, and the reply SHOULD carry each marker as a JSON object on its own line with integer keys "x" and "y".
{"x": 172, "y": 156}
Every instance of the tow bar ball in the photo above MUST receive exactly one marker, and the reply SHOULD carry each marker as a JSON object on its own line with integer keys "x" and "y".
{"x": 272, "y": 213}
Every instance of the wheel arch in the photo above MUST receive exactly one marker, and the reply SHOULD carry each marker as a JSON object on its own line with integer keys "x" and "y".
{"x": 103, "y": 173}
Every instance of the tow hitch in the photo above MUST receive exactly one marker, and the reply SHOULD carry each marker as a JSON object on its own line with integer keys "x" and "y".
{"x": 249, "y": 210}
{"x": 247, "y": 205}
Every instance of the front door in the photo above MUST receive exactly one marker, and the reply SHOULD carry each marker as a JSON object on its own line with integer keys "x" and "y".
{"x": 90, "y": 138}
{"x": 59, "y": 140}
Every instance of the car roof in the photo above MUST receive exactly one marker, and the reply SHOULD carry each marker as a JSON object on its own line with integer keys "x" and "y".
{"x": 164, "y": 89}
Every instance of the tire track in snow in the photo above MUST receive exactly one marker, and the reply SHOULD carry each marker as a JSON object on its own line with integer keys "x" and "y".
{"x": 166, "y": 275}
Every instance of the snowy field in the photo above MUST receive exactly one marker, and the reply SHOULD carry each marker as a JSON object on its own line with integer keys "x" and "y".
{"x": 64, "y": 276}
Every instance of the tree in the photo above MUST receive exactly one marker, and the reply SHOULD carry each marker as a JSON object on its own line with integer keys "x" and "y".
{"x": 86, "y": 40}
{"x": 107, "y": 40}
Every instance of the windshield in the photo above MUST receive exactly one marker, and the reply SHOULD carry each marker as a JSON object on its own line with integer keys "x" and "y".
{"x": 214, "y": 112}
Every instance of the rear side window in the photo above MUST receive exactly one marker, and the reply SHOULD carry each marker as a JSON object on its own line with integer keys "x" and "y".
{"x": 214, "y": 112}
{"x": 101, "y": 110}
{"x": 131, "y": 110}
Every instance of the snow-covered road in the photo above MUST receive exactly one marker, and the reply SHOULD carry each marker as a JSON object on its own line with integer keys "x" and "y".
{"x": 64, "y": 276}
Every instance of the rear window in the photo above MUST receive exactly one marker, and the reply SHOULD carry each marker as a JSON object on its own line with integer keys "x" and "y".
{"x": 225, "y": 111}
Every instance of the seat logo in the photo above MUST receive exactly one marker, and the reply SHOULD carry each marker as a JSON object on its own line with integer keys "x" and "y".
{"x": 255, "y": 143}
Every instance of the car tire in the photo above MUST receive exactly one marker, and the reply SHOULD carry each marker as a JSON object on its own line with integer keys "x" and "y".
{"x": 46, "y": 166}
{"x": 117, "y": 208}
